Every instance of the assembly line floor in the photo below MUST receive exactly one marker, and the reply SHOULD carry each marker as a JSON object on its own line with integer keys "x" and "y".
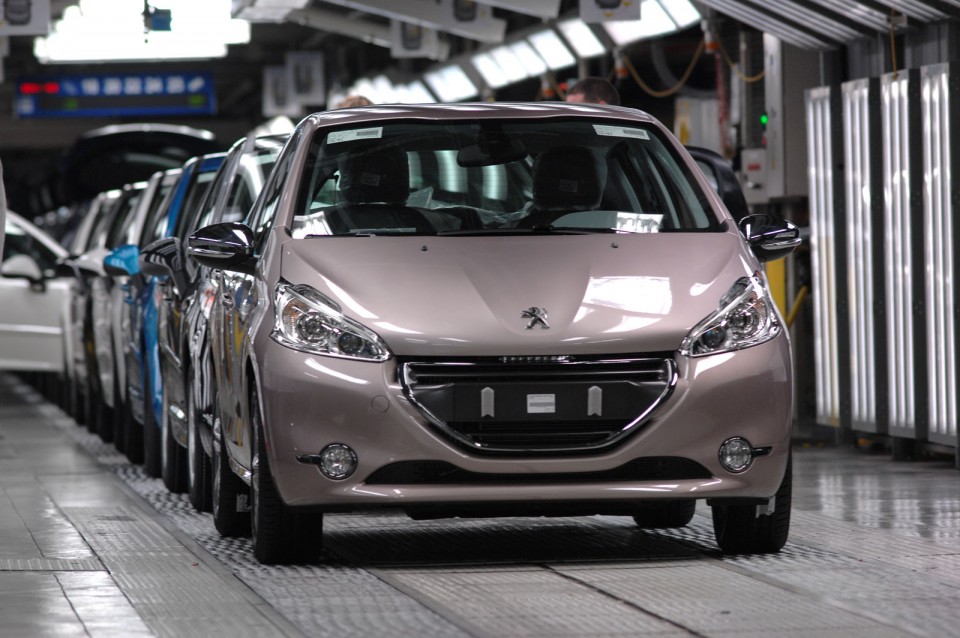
{"x": 89, "y": 546}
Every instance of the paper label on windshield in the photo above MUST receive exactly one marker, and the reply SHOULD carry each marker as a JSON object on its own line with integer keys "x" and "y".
{"x": 639, "y": 222}
{"x": 373, "y": 133}
{"x": 621, "y": 131}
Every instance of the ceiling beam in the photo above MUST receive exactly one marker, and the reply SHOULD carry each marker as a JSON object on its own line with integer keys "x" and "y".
{"x": 427, "y": 13}
{"x": 340, "y": 24}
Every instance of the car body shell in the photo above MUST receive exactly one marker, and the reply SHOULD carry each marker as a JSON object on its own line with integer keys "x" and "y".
{"x": 34, "y": 313}
{"x": 144, "y": 345}
{"x": 457, "y": 300}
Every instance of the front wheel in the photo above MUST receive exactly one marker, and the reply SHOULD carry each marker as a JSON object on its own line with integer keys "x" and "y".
{"x": 739, "y": 529}
{"x": 280, "y": 535}
{"x": 231, "y": 511}
{"x": 198, "y": 463}
{"x": 152, "y": 456}
{"x": 173, "y": 455}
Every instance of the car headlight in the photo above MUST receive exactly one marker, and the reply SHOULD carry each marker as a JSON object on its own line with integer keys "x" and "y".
{"x": 746, "y": 317}
{"x": 309, "y": 321}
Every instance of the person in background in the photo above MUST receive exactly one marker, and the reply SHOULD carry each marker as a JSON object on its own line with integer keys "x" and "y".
{"x": 353, "y": 100}
{"x": 3, "y": 211}
{"x": 594, "y": 90}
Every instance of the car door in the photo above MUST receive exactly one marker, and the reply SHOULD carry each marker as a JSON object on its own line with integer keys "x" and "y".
{"x": 34, "y": 300}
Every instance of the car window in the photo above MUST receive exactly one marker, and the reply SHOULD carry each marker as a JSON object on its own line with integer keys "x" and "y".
{"x": 122, "y": 217}
{"x": 260, "y": 217}
{"x": 424, "y": 178}
{"x": 20, "y": 242}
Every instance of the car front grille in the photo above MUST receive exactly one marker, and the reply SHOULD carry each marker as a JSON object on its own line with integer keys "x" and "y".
{"x": 539, "y": 405}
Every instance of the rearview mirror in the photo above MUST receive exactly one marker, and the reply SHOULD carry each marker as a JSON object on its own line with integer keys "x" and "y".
{"x": 770, "y": 237}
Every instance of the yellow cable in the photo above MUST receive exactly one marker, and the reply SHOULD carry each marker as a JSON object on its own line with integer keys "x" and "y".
{"x": 749, "y": 79}
{"x": 676, "y": 87}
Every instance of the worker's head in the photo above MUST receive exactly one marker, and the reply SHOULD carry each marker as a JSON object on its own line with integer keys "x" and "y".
{"x": 594, "y": 90}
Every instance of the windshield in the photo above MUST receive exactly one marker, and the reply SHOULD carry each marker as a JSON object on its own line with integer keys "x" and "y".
{"x": 497, "y": 176}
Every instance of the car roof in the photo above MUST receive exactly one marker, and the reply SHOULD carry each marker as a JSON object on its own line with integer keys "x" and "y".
{"x": 481, "y": 110}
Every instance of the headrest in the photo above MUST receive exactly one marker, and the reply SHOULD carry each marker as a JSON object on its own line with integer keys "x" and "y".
{"x": 566, "y": 178}
{"x": 380, "y": 176}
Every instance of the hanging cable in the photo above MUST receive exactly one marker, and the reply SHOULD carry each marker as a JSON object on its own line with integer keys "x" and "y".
{"x": 676, "y": 87}
{"x": 749, "y": 79}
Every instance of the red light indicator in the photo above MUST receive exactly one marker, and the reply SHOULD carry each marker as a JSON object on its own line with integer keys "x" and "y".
{"x": 51, "y": 88}
{"x": 29, "y": 88}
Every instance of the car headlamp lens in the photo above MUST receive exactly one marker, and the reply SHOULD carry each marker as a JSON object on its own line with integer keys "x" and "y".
{"x": 309, "y": 321}
{"x": 745, "y": 317}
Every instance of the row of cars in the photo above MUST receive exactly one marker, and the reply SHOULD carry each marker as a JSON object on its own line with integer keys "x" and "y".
{"x": 455, "y": 310}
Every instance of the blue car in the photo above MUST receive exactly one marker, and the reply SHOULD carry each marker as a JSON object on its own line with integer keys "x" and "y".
{"x": 144, "y": 390}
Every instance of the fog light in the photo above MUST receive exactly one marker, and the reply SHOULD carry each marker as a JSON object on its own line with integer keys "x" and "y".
{"x": 736, "y": 454}
{"x": 337, "y": 461}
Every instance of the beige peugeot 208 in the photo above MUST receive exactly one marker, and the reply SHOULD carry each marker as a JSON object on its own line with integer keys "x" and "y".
{"x": 495, "y": 310}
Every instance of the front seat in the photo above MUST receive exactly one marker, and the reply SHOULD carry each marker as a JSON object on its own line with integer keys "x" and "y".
{"x": 374, "y": 186}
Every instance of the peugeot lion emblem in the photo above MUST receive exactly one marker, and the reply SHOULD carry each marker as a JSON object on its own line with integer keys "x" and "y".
{"x": 537, "y": 317}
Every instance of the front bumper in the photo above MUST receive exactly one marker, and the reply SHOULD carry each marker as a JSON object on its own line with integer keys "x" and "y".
{"x": 310, "y": 402}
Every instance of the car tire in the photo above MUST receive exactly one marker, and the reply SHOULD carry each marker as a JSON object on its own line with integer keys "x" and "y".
{"x": 91, "y": 407}
{"x": 199, "y": 475}
{"x": 120, "y": 415}
{"x": 230, "y": 498}
{"x": 280, "y": 535}
{"x": 105, "y": 422}
{"x": 173, "y": 457}
{"x": 133, "y": 434}
{"x": 151, "y": 429}
{"x": 665, "y": 514}
{"x": 739, "y": 530}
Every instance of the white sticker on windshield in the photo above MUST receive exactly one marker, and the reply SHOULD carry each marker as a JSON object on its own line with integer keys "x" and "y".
{"x": 621, "y": 131}
{"x": 374, "y": 133}
{"x": 639, "y": 222}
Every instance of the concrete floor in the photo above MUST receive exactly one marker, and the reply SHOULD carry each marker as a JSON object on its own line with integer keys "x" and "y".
{"x": 89, "y": 546}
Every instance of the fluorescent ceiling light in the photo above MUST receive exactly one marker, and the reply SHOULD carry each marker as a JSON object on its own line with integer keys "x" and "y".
{"x": 510, "y": 64}
{"x": 529, "y": 58}
{"x": 386, "y": 93}
{"x": 659, "y": 18}
{"x": 451, "y": 84}
{"x": 581, "y": 38}
{"x": 553, "y": 51}
{"x": 682, "y": 11}
{"x": 414, "y": 93}
{"x": 489, "y": 70}
{"x": 112, "y": 30}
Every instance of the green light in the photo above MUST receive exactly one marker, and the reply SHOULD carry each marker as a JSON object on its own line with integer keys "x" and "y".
{"x": 764, "y": 119}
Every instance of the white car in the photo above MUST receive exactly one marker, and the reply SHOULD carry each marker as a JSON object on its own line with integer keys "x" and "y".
{"x": 35, "y": 296}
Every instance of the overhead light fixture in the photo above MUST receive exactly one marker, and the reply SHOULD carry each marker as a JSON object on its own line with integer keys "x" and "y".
{"x": 415, "y": 92}
{"x": 552, "y": 49}
{"x": 529, "y": 58}
{"x": 267, "y": 10}
{"x": 510, "y": 63}
{"x": 113, "y": 30}
{"x": 581, "y": 38}
{"x": 489, "y": 70}
{"x": 660, "y": 17}
{"x": 451, "y": 84}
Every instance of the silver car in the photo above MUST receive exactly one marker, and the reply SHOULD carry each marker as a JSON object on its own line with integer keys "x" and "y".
{"x": 496, "y": 310}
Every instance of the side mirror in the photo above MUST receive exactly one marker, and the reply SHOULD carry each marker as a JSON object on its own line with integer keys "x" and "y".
{"x": 228, "y": 246}
{"x": 24, "y": 267}
{"x": 770, "y": 237}
{"x": 164, "y": 258}
{"x": 122, "y": 261}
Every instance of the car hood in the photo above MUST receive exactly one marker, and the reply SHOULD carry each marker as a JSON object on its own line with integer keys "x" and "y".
{"x": 602, "y": 294}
